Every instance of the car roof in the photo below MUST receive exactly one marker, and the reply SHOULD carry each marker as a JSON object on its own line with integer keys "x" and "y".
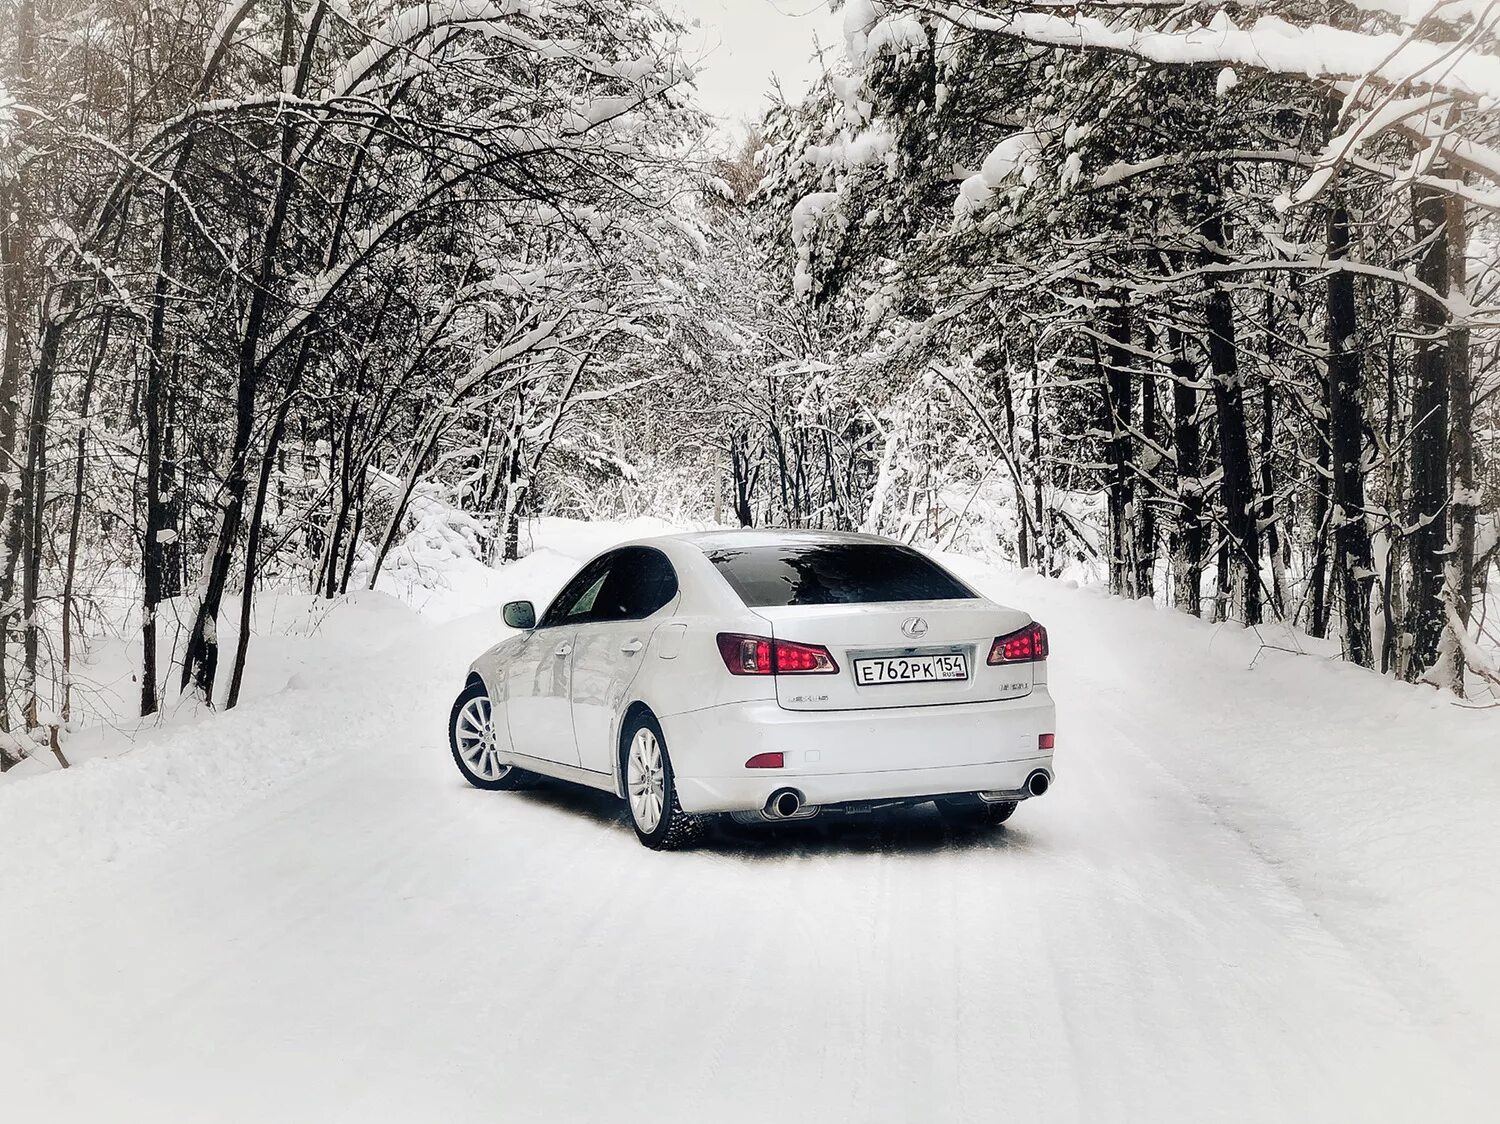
{"x": 754, "y": 537}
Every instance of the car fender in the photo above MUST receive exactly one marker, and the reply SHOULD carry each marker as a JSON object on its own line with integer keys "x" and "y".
{"x": 487, "y": 668}
{"x": 617, "y": 772}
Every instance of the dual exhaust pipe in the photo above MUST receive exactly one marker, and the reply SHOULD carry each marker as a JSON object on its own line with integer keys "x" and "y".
{"x": 787, "y": 804}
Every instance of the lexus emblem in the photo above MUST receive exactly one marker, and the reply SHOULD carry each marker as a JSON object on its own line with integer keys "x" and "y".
{"x": 914, "y": 627}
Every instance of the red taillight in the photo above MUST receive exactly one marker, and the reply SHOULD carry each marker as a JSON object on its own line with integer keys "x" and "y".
{"x": 1026, "y": 646}
{"x": 766, "y": 761}
{"x": 1044, "y": 741}
{"x": 802, "y": 659}
{"x": 756, "y": 655}
{"x": 745, "y": 655}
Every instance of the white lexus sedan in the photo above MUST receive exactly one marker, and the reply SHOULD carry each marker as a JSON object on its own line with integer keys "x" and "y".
{"x": 766, "y": 674}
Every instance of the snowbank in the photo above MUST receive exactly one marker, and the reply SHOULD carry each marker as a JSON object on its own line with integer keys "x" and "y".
{"x": 1376, "y": 798}
{"x": 324, "y": 677}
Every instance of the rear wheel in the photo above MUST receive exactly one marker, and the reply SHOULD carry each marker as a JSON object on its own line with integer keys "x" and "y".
{"x": 971, "y": 811}
{"x": 475, "y": 745}
{"x": 651, "y": 791}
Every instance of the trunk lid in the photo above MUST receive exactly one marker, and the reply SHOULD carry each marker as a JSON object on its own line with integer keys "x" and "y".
{"x": 883, "y": 631}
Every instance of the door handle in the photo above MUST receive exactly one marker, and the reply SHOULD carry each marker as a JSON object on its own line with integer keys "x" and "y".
{"x": 631, "y": 647}
{"x": 563, "y": 649}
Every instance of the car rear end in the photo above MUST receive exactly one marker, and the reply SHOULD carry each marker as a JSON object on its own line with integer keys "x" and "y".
{"x": 884, "y": 679}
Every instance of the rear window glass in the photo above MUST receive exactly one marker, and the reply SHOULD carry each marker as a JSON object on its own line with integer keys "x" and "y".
{"x": 834, "y": 574}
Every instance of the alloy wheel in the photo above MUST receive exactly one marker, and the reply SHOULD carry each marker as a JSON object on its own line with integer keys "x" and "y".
{"x": 646, "y": 780}
{"x": 474, "y": 730}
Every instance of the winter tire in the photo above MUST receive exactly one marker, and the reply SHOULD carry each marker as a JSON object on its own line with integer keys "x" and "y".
{"x": 650, "y": 791}
{"x": 476, "y": 751}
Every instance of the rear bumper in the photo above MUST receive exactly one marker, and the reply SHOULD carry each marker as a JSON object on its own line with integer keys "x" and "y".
{"x": 834, "y": 757}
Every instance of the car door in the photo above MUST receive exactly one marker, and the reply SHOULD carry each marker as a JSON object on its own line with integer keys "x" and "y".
{"x": 611, "y": 647}
{"x": 538, "y": 681}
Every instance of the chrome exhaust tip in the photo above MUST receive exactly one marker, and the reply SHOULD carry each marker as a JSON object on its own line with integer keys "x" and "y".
{"x": 784, "y": 804}
{"x": 1038, "y": 783}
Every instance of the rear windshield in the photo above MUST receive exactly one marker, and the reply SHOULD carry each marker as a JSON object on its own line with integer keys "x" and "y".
{"x": 834, "y": 574}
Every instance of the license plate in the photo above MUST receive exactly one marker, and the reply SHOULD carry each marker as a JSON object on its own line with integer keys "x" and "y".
{"x": 911, "y": 669}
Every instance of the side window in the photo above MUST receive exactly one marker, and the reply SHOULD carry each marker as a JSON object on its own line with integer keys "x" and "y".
{"x": 577, "y": 600}
{"x": 640, "y": 582}
{"x": 658, "y": 583}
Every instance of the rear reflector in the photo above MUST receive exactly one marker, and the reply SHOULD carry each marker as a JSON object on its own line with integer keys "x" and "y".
{"x": 1028, "y": 645}
{"x": 1044, "y": 741}
{"x": 766, "y": 761}
{"x": 758, "y": 655}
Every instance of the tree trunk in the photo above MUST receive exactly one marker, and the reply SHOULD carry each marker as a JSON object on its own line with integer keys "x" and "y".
{"x": 200, "y": 665}
{"x": 1238, "y": 487}
{"x": 1043, "y": 536}
{"x": 1427, "y": 517}
{"x": 252, "y": 540}
{"x": 1119, "y": 484}
{"x": 172, "y": 490}
{"x": 352, "y": 544}
{"x": 1187, "y": 563}
{"x": 1145, "y": 539}
{"x": 16, "y": 244}
{"x": 70, "y": 567}
{"x": 1008, "y": 409}
{"x": 29, "y": 510}
{"x": 1352, "y": 565}
{"x": 1267, "y": 516}
{"x": 152, "y": 546}
{"x": 1322, "y": 490}
{"x": 1463, "y": 580}
{"x": 739, "y": 467}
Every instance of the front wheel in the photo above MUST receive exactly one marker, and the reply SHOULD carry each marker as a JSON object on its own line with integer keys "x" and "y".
{"x": 974, "y": 812}
{"x": 476, "y": 748}
{"x": 651, "y": 791}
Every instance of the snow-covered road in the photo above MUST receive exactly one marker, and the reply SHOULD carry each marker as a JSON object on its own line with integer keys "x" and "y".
{"x": 1253, "y": 895}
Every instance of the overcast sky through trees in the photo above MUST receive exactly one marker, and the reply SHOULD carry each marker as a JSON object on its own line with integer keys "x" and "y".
{"x": 741, "y": 45}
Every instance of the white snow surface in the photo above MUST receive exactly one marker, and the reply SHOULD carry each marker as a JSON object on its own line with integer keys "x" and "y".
{"x": 1255, "y": 893}
{"x": 1270, "y": 43}
{"x": 1015, "y": 156}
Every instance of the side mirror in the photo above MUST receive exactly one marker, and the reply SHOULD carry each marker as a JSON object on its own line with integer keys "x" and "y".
{"x": 519, "y": 614}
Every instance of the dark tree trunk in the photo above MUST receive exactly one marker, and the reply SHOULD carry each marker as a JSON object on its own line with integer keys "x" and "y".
{"x": 1428, "y": 441}
{"x": 744, "y": 483}
{"x": 201, "y": 663}
{"x": 340, "y": 455}
{"x": 16, "y": 198}
{"x": 1396, "y": 423}
{"x": 152, "y": 547}
{"x": 1008, "y": 409}
{"x": 1238, "y": 487}
{"x": 1188, "y": 546}
{"x": 1352, "y": 565}
{"x": 75, "y": 524}
{"x": 171, "y": 487}
{"x": 1317, "y": 618}
{"x": 1119, "y": 483}
{"x": 257, "y": 516}
{"x": 353, "y": 543}
{"x": 1267, "y": 515}
{"x": 1145, "y": 541}
{"x": 1465, "y": 580}
{"x": 32, "y": 503}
